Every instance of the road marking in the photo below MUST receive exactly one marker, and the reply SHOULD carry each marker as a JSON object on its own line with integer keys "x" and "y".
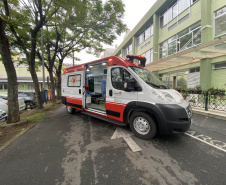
{"x": 46, "y": 169}
{"x": 208, "y": 140}
{"x": 121, "y": 133}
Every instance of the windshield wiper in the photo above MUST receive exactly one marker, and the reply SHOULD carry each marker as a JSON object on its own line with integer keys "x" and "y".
{"x": 159, "y": 86}
{"x": 152, "y": 84}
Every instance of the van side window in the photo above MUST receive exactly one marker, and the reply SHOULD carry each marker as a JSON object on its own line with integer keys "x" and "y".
{"x": 118, "y": 76}
{"x": 74, "y": 81}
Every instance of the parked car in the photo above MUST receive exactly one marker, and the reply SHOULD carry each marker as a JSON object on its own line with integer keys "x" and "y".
{"x": 2, "y": 115}
{"x": 29, "y": 99}
{"x": 4, "y": 104}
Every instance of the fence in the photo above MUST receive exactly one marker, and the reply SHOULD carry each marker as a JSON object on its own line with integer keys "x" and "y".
{"x": 209, "y": 100}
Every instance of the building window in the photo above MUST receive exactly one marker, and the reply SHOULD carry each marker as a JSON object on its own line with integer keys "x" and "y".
{"x": 185, "y": 39}
{"x": 220, "y": 22}
{"x": 183, "y": 5}
{"x": 146, "y": 34}
{"x": 174, "y": 10}
{"x": 128, "y": 50}
{"x": 220, "y": 65}
{"x": 149, "y": 56}
{"x": 1, "y": 86}
{"x": 5, "y": 86}
{"x": 30, "y": 86}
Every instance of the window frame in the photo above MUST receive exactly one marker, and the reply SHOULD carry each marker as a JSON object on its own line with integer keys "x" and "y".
{"x": 122, "y": 73}
{"x": 214, "y": 19}
{"x": 168, "y": 15}
{"x": 219, "y": 63}
{"x": 71, "y": 76}
{"x": 177, "y": 39}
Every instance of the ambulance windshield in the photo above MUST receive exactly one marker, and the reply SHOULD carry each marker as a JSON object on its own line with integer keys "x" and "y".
{"x": 149, "y": 78}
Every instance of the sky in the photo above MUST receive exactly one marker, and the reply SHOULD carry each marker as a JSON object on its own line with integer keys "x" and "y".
{"x": 134, "y": 12}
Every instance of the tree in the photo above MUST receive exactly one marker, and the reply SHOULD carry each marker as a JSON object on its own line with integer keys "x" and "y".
{"x": 99, "y": 24}
{"x": 13, "y": 107}
{"x": 25, "y": 19}
{"x": 54, "y": 30}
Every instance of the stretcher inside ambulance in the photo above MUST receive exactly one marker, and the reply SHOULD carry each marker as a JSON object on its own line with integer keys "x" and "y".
{"x": 122, "y": 91}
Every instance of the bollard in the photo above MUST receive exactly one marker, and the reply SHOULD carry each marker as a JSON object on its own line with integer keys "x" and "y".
{"x": 206, "y": 101}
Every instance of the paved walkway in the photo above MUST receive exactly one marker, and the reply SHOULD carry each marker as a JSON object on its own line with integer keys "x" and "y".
{"x": 210, "y": 113}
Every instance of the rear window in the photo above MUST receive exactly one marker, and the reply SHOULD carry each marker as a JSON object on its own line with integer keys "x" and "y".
{"x": 74, "y": 81}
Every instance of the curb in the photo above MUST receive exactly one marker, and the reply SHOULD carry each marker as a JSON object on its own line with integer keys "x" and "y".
{"x": 211, "y": 115}
{"x": 14, "y": 138}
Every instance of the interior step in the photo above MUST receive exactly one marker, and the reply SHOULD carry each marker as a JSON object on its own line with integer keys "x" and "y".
{"x": 104, "y": 118}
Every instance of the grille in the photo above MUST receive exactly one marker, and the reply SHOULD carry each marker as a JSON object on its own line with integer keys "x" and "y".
{"x": 189, "y": 111}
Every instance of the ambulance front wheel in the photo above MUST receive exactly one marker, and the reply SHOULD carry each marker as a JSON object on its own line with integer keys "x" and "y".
{"x": 142, "y": 125}
{"x": 70, "y": 110}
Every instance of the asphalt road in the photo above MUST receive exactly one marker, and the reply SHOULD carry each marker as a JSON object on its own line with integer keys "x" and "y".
{"x": 78, "y": 149}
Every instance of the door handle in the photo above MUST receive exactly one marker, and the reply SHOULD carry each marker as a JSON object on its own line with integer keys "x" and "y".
{"x": 110, "y": 92}
{"x": 80, "y": 91}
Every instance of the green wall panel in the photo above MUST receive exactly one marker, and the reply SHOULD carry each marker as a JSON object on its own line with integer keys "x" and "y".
{"x": 219, "y": 78}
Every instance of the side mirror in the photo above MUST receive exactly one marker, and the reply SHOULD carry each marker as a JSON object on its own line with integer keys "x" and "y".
{"x": 129, "y": 84}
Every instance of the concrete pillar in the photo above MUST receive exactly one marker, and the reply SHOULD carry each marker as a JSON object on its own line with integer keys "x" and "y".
{"x": 134, "y": 45}
{"x": 205, "y": 73}
{"x": 206, "y": 19}
{"x": 155, "y": 37}
{"x": 122, "y": 53}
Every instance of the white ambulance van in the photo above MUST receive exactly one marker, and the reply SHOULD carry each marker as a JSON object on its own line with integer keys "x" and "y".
{"x": 116, "y": 90}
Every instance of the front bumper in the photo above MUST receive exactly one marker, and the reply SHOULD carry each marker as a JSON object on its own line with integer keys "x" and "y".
{"x": 175, "y": 118}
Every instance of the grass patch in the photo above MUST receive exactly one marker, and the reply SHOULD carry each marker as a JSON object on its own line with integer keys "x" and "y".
{"x": 21, "y": 130}
{"x": 36, "y": 117}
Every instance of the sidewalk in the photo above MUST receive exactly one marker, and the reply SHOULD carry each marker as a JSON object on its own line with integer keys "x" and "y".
{"x": 210, "y": 113}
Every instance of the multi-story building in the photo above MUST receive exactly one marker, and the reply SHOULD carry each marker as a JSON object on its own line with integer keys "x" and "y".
{"x": 184, "y": 42}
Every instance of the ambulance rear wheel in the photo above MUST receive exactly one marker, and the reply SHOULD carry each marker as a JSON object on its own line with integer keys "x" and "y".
{"x": 142, "y": 125}
{"x": 70, "y": 110}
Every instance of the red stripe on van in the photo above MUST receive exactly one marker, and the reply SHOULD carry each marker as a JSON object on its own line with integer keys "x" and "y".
{"x": 118, "y": 107}
{"x": 74, "y": 100}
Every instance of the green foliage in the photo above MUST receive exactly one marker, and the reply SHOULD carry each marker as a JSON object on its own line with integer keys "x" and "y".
{"x": 213, "y": 92}
{"x": 36, "y": 117}
{"x": 181, "y": 82}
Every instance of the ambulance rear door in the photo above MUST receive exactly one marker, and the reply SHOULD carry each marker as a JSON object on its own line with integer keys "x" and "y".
{"x": 73, "y": 89}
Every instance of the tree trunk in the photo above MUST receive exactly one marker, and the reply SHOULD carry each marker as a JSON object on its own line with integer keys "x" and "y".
{"x": 13, "y": 107}
{"x": 58, "y": 73}
{"x": 52, "y": 86}
{"x": 37, "y": 90}
{"x": 58, "y": 85}
{"x": 31, "y": 63}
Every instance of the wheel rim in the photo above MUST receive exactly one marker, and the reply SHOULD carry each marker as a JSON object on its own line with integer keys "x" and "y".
{"x": 141, "y": 125}
{"x": 69, "y": 109}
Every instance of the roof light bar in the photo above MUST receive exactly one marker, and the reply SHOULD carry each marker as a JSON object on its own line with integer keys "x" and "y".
{"x": 141, "y": 58}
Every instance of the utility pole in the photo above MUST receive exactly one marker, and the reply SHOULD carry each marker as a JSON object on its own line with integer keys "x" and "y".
{"x": 73, "y": 59}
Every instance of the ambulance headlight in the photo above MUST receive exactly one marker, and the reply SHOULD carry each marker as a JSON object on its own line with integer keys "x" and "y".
{"x": 168, "y": 97}
{"x": 159, "y": 95}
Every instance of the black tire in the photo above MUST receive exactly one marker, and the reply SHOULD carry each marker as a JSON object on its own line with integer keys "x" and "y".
{"x": 70, "y": 110}
{"x": 142, "y": 125}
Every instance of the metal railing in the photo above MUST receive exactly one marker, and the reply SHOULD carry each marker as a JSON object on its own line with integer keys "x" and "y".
{"x": 206, "y": 100}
